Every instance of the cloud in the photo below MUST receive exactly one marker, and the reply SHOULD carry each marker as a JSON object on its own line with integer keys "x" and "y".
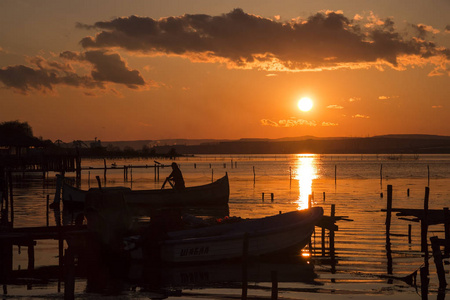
{"x": 288, "y": 123}
{"x": 436, "y": 106}
{"x": 107, "y": 67}
{"x": 325, "y": 124}
{"x": 361, "y": 116}
{"x": 387, "y": 97}
{"x": 43, "y": 75}
{"x": 326, "y": 40}
{"x": 334, "y": 106}
{"x": 354, "y": 99}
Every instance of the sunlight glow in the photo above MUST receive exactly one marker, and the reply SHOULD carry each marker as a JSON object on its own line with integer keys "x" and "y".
{"x": 305, "y": 104}
{"x": 305, "y": 173}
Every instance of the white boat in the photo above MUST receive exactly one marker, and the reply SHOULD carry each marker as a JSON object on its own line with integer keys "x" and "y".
{"x": 213, "y": 194}
{"x": 251, "y": 237}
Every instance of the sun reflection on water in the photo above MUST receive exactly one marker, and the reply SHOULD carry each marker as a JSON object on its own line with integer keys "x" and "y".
{"x": 305, "y": 172}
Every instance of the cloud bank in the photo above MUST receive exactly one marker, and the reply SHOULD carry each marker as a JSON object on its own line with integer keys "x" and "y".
{"x": 326, "y": 40}
{"x": 43, "y": 75}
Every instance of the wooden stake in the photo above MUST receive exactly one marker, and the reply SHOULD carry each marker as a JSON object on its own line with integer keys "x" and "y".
{"x": 424, "y": 221}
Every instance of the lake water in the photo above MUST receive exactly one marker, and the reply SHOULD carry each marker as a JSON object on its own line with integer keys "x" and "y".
{"x": 355, "y": 184}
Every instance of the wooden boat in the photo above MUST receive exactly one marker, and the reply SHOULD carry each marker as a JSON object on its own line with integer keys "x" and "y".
{"x": 213, "y": 194}
{"x": 251, "y": 237}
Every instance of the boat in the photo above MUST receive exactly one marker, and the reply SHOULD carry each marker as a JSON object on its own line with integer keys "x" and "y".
{"x": 239, "y": 238}
{"x": 213, "y": 194}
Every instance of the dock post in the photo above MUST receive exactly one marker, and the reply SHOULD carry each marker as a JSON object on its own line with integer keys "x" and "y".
{"x": 437, "y": 255}
{"x": 212, "y": 175}
{"x": 388, "y": 211}
{"x": 323, "y": 196}
{"x": 428, "y": 168}
{"x": 244, "y": 266}
{"x": 335, "y": 174}
{"x": 155, "y": 170}
{"x": 30, "y": 255}
{"x": 332, "y": 215}
{"x": 274, "y": 277}
{"x": 447, "y": 230}
{"x": 424, "y": 282}
{"x": 271, "y": 197}
{"x": 262, "y": 197}
{"x": 69, "y": 278}
{"x": 424, "y": 221}
{"x": 254, "y": 175}
{"x": 409, "y": 233}
{"x": 47, "y": 207}
{"x": 323, "y": 241}
{"x": 11, "y": 198}
{"x": 104, "y": 172}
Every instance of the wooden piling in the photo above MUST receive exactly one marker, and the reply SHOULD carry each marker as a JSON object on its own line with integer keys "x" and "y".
{"x": 424, "y": 281}
{"x": 271, "y": 197}
{"x": 262, "y": 197}
{"x": 335, "y": 174}
{"x": 407, "y": 192}
{"x": 388, "y": 210}
{"x": 447, "y": 230}
{"x": 11, "y": 198}
{"x": 104, "y": 172}
{"x": 424, "y": 221}
{"x": 428, "y": 168}
{"x": 69, "y": 278}
{"x": 212, "y": 175}
{"x": 409, "y": 234}
{"x": 332, "y": 215}
{"x": 323, "y": 196}
{"x": 381, "y": 174}
{"x": 254, "y": 175}
{"x": 437, "y": 255}
{"x": 244, "y": 266}
{"x": 47, "y": 208}
{"x": 274, "y": 277}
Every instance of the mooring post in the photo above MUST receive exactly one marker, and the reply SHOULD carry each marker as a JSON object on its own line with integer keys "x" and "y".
{"x": 212, "y": 175}
{"x": 437, "y": 255}
{"x": 155, "y": 171}
{"x": 271, "y": 197}
{"x": 290, "y": 175}
{"x": 407, "y": 192}
{"x": 335, "y": 174}
{"x": 323, "y": 196}
{"x": 47, "y": 207}
{"x": 424, "y": 282}
{"x": 424, "y": 221}
{"x": 69, "y": 278}
{"x": 388, "y": 211}
{"x": 104, "y": 172}
{"x": 332, "y": 214}
{"x": 244, "y": 266}
{"x": 446, "y": 230}
{"x": 274, "y": 277}
{"x": 409, "y": 234}
{"x": 262, "y": 197}
{"x": 381, "y": 175}
{"x": 323, "y": 241}
{"x": 428, "y": 168}
{"x": 30, "y": 255}
{"x": 11, "y": 198}
{"x": 254, "y": 175}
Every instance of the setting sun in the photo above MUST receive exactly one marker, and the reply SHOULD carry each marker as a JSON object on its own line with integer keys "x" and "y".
{"x": 305, "y": 104}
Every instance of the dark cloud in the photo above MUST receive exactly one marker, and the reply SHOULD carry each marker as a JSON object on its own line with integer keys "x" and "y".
{"x": 44, "y": 75}
{"x": 107, "y": 67}
{"x": 324, "y": 40}
{"x": 24, "y": 79}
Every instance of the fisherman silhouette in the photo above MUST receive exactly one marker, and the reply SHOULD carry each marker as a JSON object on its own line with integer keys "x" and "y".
{"x": 175, "y": 179}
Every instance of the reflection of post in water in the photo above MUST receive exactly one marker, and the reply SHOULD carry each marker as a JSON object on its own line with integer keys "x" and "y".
{"x": 244, "y": 266}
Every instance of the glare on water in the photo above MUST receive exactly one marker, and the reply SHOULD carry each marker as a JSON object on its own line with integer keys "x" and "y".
{"x": 305, "y": 172}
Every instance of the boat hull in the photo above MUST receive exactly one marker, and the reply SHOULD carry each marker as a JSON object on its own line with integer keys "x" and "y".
{"x": 248, "y": 238}
{"x": 213, "y": 194}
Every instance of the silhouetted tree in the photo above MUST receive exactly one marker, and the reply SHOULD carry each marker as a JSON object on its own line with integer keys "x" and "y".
{"x": 16, "y": 128}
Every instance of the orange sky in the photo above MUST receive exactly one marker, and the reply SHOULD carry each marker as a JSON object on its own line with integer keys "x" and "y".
{"x": 121, "y": 70}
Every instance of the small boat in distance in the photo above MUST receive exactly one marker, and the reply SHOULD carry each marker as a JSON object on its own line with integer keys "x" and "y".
{"x": 216, "y": 193}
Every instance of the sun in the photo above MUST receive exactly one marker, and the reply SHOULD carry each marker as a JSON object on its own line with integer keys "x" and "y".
{"x": 305, "y": 104}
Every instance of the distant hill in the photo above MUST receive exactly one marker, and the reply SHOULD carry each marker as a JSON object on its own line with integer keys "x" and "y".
{"x": 392, "y": 143}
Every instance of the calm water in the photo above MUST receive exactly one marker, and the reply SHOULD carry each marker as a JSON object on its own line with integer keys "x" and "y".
{"x": 353, "y": 183}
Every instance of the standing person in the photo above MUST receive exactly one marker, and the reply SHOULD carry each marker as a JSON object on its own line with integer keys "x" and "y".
{"x": 176, "y": 177}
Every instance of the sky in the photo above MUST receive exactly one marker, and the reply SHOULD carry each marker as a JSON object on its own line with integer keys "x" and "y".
{"x": 207, "y": 69}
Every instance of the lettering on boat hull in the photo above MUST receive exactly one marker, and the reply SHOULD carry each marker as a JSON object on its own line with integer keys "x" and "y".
{"x": 194, "y": 251}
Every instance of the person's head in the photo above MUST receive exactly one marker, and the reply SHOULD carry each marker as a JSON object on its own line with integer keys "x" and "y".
{"x": 174, "y": 165}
